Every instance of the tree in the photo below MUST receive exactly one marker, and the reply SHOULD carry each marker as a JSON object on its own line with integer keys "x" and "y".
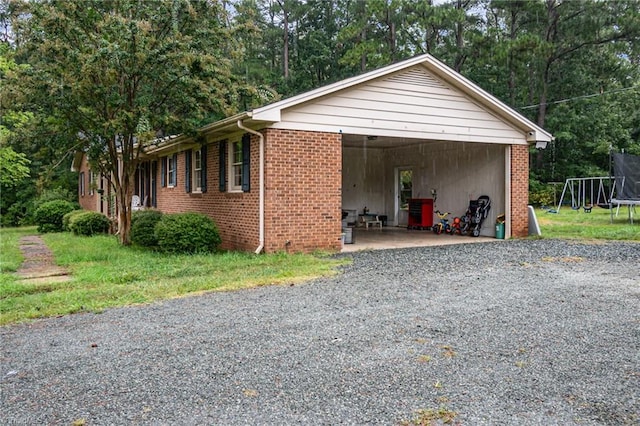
{"x": 13, "y": 167}
{"x": 118, "y": 75}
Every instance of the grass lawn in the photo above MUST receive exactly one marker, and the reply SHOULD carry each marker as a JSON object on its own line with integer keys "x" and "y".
{"x": 105, "y": 274}
{"x": 597, "y": 225}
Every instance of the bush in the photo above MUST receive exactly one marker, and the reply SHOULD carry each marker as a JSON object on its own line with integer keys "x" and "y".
{"x": 540, "y": 194}
{"x": 89, "y": 223}
{"x": 15, "y": 215}
{"x": 53, "y": 195}
{"x": 68, "y": 218}
{"x": 49, "y": 215}
{"x": 187, "y": 233}
{"x": 143, "y": 224}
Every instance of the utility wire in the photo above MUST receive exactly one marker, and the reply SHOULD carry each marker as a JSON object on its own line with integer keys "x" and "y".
{"x": 581, "y": 97}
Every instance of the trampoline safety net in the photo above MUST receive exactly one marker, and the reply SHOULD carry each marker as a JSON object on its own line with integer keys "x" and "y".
{"x": 626, "y": 168}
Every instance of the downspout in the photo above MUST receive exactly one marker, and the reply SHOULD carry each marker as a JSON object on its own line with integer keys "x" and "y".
{"x": 261, "y": 208}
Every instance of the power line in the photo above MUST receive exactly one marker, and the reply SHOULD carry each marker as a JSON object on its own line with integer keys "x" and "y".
{"x": 581, "y": 97}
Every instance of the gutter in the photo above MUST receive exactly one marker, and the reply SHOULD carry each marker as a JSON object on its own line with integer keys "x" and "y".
{"x": 261, "y": 136}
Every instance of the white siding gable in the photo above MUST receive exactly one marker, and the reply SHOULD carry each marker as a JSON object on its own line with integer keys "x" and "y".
{"x": 411, "y": 103}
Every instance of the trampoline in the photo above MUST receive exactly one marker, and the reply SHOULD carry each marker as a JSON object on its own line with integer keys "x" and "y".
{"x": 626, "y": 176}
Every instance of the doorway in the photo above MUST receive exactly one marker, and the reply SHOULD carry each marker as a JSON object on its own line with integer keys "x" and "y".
{"x": 404, "y": 191}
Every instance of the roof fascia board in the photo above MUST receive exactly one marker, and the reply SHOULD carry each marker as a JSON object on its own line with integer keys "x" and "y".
{"x": 170, "y": 144}
{"x": 534, "y": 132}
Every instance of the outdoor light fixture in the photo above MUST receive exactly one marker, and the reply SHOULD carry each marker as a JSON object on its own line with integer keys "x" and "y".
{"x": 541, "y": 144}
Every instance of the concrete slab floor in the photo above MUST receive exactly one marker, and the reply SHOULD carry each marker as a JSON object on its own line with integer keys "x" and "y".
{"x": 397, "y": 237}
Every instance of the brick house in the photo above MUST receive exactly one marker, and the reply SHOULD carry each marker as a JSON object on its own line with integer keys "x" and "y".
{"x": 279, "y": 177}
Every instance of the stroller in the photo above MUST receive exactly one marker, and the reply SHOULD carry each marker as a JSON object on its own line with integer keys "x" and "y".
{"x": 476, "y": 213}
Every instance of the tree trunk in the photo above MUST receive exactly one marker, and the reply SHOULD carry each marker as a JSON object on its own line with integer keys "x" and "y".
{"x": 459, "y": 30}
{"x": 392, "y": 39}
{"x": 124, "y": 223}
{"x": 285, "y": 41}
{"x": 124, "y": 194}
{"x": 363, "y": 57}
{"x": 542, "y": 115}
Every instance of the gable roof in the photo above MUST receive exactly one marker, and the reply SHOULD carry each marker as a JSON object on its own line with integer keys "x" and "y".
{"x": 273, "y": 113}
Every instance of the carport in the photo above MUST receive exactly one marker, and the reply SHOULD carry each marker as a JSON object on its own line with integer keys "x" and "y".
{"x": 381, "y": 173}
{"x": 418, "y": 129}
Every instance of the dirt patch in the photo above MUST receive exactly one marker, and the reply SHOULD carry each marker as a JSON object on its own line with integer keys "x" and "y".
{"x": 39, "y": 264}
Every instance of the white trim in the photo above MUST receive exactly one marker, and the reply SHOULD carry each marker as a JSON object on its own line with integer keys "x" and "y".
{"x": 261, "y": 200}
{"x": 231, "y": 175}
{"x": 171, "y": 159}
{"x": 532, "y": 132}
{"x": 271, "y": 115}
{"x": 196, "y": 174}
{"x": 396, "y": 192}
{"x": 507, "y": 192}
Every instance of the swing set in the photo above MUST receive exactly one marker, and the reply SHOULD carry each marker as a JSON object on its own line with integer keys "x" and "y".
{"x": 588, "y": 192}
{"x": 623, "y": 188}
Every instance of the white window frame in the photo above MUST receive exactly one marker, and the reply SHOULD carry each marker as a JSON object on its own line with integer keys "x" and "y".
{"x": 196, "y": 172}
{"x": 91, "y": 182}
{"x": 235, "y": 166}
{"x": 82, "y": 184}
{"x": 172, "y": 171}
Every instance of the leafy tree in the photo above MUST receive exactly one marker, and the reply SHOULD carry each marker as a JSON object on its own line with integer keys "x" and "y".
{"x": 117, "y": 75}
{"x": 13, "y": 167}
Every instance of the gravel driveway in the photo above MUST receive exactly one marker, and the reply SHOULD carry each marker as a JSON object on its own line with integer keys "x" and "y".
{"x": 512, "y": 332}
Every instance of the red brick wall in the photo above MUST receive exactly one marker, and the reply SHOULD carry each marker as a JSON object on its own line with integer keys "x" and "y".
{"x": 88, "y": 201}
{"x": 303, "y": 178}
{"x": 303, "y": 190}
{"x": 235, "y": 214}
{"x": 519, "y": 190}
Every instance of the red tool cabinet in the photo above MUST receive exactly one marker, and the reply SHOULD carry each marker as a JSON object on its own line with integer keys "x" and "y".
{"x": 420, "y": 213}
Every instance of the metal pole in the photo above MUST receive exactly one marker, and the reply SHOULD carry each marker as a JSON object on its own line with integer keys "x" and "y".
{"x": 611, "y": 185}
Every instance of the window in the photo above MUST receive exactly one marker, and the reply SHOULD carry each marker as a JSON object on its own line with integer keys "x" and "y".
{"x": 81, "y": 185}
{"x": 238, "y": 164}
{"x": 196, "y": 170}
{"x": 91, "y": 182}
{"x": 406, "y": 188}
{"x": 235, "y": 166}
{"x": 172, "y": 170}
{"x": 168, "y": 171}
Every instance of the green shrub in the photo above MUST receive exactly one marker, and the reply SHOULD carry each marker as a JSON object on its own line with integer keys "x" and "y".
{"x": 540, "y": 194}
{"x": 15, "y": 215}
{"x": 143, "y": 224}
{"x": 68, "y": 218}
{"x": 89, "y": 223}
{"x": 187, "y": 233}
{"x": 53, "y": 195}
{"x": 49, "y": 215}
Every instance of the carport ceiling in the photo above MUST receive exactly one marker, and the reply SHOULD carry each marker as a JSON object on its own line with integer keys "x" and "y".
{"x": 381, "y": 142}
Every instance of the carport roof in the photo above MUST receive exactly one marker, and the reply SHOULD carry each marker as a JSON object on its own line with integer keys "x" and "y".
{"x": 272, "y": 113}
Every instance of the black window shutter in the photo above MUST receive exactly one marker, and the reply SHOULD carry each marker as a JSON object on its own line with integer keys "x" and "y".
{"x": 175, "y": 170}
{"x": 246, "y": 162}
{"x": 187, "y": 170}
{"x": 223, "y": 165}
{"x": 154, "y": 191}
{"x": 203, "y": 165}
{"x": 163, "y": 171}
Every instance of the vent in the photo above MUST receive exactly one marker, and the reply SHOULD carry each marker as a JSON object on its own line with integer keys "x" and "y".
{"x": 417, "y": 77}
